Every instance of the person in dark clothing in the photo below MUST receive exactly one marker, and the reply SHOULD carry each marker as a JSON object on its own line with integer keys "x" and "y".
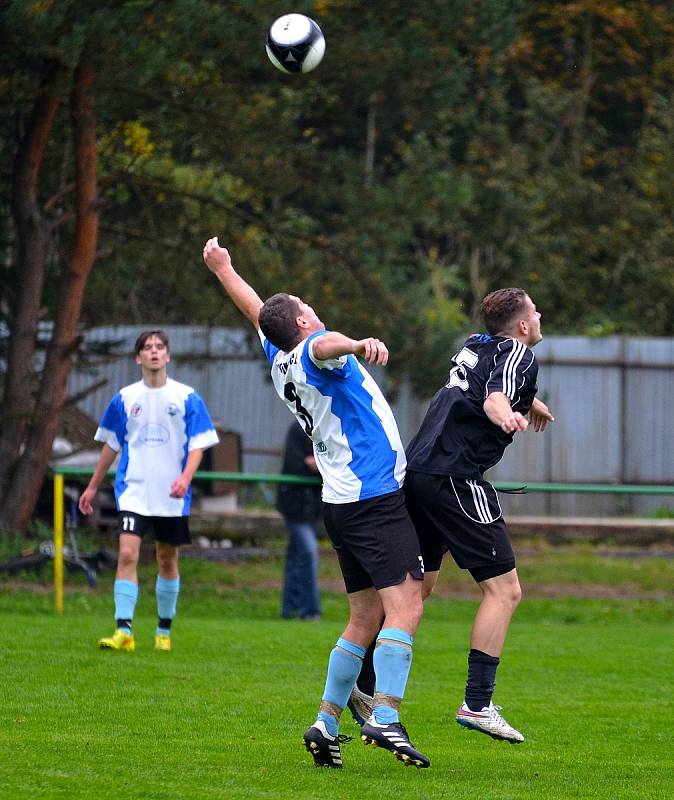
{"x": 301, "y": 507}
{"x": 489, "y": 396}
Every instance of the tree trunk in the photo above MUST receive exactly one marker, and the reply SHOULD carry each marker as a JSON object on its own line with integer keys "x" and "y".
{"x": 33, "y": 236}
{"x": 26, "y": 480}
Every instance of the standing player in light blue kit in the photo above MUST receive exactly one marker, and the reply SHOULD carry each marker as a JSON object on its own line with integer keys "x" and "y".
{"x": 161, "y": 428}
{"x": 361, "y": 459}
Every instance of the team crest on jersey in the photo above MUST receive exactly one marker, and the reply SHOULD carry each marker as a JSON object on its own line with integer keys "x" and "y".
{"x": 154, "y": 435}
{"x": 321, "y": 447}
{"x": 171, "y": 409}
{"x": 136, "y": 410}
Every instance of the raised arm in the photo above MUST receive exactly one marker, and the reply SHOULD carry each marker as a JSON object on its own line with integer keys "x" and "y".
{"x": 244, "y": 297}
{"x": 334, "y": 345}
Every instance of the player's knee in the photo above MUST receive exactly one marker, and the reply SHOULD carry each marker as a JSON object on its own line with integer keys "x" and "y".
{"x": 516, "y": 595}
{"x": 511, "y": 595}
{"x": 363, "y": 628}
{"x": 127, "y": 558}
{"x": 166, "y": 563}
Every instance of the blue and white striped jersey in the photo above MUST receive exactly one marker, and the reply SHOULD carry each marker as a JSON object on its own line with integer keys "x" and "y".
{"x": 456, "y": 437}
{"x": 357, "y": 446}
{"x": 155, "y": 429}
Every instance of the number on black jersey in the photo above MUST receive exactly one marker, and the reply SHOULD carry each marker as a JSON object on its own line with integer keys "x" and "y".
{"x": 457, "y": 375}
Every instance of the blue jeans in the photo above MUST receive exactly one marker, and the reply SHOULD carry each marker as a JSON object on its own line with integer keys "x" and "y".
{"x": 300, "y": 581}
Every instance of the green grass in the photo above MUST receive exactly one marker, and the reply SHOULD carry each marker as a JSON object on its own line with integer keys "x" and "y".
{"x": 588, "y": 681}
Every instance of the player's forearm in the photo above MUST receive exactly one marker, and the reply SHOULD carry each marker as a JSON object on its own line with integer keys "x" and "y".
{"x": 242, "y": 294}
{"x": 192, "y": 464}
{"x": 497, "y": 408}
{"x": 499, "y": 411}
{"x": 539, "y": 407}
{"x": 105, "y": 460}
{"x": 334, "y": 345}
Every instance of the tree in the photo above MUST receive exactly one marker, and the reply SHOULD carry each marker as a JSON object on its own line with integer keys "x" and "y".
{"x": 30, "y": 424}
{"x": 440, "y": 150}
{"x": 55, "y": 50}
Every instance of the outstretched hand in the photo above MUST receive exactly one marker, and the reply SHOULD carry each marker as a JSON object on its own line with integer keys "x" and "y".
{"x": 539, "y": 415}
{"x": 374, "y": 351}
{"x": 216, "y": 257}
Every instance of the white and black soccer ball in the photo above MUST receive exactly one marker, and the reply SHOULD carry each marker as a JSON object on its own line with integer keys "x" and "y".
{"x": 295, "y": 43}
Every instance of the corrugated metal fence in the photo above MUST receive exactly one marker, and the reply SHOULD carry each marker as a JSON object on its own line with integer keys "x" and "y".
{"x": 611, "y": 398}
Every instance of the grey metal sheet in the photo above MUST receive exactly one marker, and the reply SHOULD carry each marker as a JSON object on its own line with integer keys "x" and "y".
{"x": 611, "y": 397}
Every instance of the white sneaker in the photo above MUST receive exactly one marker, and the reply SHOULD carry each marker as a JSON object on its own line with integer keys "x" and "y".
{"x": 488, "y": 721}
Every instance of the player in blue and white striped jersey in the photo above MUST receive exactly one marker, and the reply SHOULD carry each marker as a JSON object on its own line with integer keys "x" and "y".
{"x": 490, "y": 390}
{"x": 360, "y": 457}
{"x": 159, "y": 428}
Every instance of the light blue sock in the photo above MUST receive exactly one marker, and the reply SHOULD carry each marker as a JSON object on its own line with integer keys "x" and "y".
{"x": 392, "y": 662}
{"x": 126, "y": 595}
{"x": 331, "y": 723}
{"x": 167, "y": 591}
{"x": 344, "y": 666}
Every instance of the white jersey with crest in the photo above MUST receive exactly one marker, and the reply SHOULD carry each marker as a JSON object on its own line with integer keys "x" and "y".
{"x": 356, "y": 441}
{"x": 155, "y": 429}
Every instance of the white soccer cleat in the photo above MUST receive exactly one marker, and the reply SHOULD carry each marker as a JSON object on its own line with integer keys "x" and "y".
{"x": 488, "y": 721}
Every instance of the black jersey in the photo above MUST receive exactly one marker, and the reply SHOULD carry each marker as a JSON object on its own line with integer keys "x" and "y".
{"x": 456, "y": 437}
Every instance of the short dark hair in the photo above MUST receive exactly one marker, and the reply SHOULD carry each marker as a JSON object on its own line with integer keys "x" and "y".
{"x": 501, "y": 308}
{"x": 145, "y": 335}
{"x": 278, "y": 321}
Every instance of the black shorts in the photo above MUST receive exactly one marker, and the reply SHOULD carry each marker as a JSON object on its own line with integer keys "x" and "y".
{"x": 375, "y": 541}
{"x": 462, "y": 516}
{"x": 168, "y": 530}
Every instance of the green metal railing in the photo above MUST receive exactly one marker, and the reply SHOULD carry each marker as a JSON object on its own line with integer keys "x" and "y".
{"x": 254, "y": 477}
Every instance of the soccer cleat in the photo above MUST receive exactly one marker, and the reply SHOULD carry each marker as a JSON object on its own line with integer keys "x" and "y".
{"x": 393, "y": 737}
{"x": 120, "y": 640}
{"x": 162, "y": 642}
{"x": 324, "y": 747}
{"x": 488, "y": 721}
{"x": 360, "y": 706}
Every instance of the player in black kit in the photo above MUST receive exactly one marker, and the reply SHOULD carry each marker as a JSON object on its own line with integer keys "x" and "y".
{"x": 488, "y": 397}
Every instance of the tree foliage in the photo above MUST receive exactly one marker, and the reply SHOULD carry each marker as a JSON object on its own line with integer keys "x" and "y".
{"x": 440, "y": 150}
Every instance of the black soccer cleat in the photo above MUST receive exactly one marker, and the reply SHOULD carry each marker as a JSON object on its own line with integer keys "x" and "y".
{"x": 393, "y": 737}
{"x": 323, "y": 747}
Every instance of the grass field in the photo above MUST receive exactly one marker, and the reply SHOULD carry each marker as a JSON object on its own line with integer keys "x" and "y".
{"x": 588, "y": 681}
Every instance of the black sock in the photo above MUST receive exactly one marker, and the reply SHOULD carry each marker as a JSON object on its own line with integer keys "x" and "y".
{"x": 124, "y": 623}
{"x": 366, "y": 679}
{"x": 481, "y": 679}
{"x": 164, "y": 624}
